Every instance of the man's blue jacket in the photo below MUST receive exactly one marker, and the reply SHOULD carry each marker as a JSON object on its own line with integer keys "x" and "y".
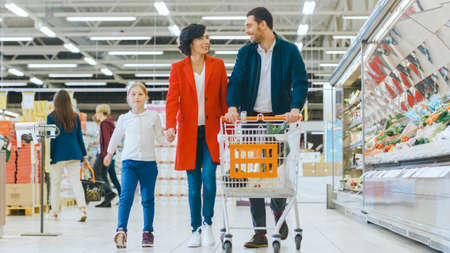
{"x": 289, "y": 79}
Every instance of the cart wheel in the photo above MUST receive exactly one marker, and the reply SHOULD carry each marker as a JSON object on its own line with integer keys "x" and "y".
{"x": 298, "y": 241}
{"x": 227, "y": 247}
{"x": 276, "y": 246}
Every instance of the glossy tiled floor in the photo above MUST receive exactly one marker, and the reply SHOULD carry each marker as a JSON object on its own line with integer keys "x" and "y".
{"x": 325, "y": 231}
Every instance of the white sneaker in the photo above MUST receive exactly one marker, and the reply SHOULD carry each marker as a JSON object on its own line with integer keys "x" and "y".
{"x": 207, "y": 235}
{"x": 196, "y": 239}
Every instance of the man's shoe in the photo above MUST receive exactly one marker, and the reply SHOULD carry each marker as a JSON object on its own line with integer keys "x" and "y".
{"x": 257, "y": 241}
{"x": 147, "y": 239}
{"x": 120, "y": 239}
{"x": 196, "y": 239}
{"x": 104, "y": 204}
{"x": 284, "y": 230}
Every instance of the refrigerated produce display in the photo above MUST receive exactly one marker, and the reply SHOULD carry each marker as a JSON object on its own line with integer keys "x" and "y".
{"x": 397, "y": 112}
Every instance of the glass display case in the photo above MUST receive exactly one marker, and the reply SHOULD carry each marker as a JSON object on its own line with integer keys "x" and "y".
{"x": 395, "y": 113}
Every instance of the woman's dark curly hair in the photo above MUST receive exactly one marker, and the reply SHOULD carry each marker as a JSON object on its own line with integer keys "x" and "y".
{"x": 188, "y": 34}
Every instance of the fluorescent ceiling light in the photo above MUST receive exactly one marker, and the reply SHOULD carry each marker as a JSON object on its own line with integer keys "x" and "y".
{"x": 15, "y": 72}
{"x": 226, "y": 52}
{"x": 136, "y": 53}
{"x": 157, "y": 89}
{"x": 106, "y": 72}
{"x": 224, "y": 18}
{"x": 302, "y": 29}
{"x": 47, "y": 31}
{"x": 69, "y": 75}
{"x": 229, "y": 37}
{"x": 335, "y": 52}
{"x": 9, "y": 84}
{"x": 157, "y": 84}
{"x": 90, "y": 61}
{"x": 150, "y": 65}
{"x": 355, "y": 17}
{"x": 329, "y": 64}
{"x": 161, "y": 8}
{"x": 152, "y": 75}
{"x": 16, "y": 38}
{"x": 86, "y": 83}
{"x": 95, "y": 19}
{"x": 320, "y": 83}
{"x": 350, "y": 37}
{"x": 321, "y": 74}
{"x": 10, "y": 114}
{"x": 174, "y": 30}
{"x": 40, "y": 66}
{"x": 71, "y": 47}
{"x": 308, "y": 7}
{"x": 299, "y": 45}
{"x": 16, "y": 10}
{"x": 120, "y": 38}
{"x": 1, "y": 19}
{"x": 36, "y": 80}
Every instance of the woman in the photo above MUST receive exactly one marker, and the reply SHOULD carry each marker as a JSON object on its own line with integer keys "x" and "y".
{"x": 196, "y": 99}
{"x": 67, "y": 150}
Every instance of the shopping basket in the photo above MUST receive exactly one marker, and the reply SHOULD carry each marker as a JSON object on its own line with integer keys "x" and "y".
{"x": 258, "y": 160}
{"x": 92, "y": 189}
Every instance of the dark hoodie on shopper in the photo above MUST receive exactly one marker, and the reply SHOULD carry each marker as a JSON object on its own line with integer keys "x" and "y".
{"x": 106, "y": 130}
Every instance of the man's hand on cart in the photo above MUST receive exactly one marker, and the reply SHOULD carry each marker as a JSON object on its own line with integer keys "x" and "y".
{"x": 170, "y": 134}
{"x": 292, "y": 116}
{"x": 232, "y": 115}
{"x": 107, "y": 160}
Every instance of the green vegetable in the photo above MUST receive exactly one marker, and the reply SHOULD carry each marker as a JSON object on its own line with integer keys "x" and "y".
{"x": 399, "y": 116}
{"x": 444, "y": 117}
{"x": 388, "y": 124}
{"x": 389, "y": 132}
{"x": 394, "y": 141}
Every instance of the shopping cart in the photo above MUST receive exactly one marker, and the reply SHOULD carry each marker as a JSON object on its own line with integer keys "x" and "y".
{"x": 257, "y": 157}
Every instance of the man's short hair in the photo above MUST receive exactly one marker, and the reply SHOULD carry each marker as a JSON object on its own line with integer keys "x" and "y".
{"x": 262, "y": 14}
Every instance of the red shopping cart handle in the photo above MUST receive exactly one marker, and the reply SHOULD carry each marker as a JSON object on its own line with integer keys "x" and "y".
{"x": 263, "y": 118}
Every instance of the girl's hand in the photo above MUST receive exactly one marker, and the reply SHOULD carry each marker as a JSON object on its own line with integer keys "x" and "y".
{"x": 170, "y": 135}
{"x": 107, "y": 160}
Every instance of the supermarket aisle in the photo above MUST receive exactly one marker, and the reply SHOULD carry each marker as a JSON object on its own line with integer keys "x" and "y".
{"x": 326, "y": 231}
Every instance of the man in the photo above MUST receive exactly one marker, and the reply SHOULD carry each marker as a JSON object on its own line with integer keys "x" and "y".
{"x": 269, "y": 78}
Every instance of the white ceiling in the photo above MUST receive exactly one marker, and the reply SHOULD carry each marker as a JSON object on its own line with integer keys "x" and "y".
{"x": 326, "y": 21}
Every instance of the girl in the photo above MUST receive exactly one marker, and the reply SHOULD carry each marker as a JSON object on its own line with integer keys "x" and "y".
{"x": 140, "y": 128}
{"x": 67, "y": 150}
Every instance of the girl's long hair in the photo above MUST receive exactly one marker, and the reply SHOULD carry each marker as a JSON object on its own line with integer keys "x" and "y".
{"x": 65, "y": 116}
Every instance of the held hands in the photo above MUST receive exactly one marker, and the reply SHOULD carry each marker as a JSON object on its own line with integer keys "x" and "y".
{"x": 232, "y": 115}
{"x": 107, "y": 160}
{"x": 170, "y": 134}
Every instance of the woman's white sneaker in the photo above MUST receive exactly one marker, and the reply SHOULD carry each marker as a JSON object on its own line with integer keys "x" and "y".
{"x": 196, "y": 239}
{"x": 207, "y": 235}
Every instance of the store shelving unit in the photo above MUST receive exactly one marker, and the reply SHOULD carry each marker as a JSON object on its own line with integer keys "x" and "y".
{"x": 405, "y": 133}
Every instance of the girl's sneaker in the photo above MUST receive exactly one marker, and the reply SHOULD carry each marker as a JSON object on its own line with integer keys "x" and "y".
{"x": 120, "y": 239}
{"x": 147, "y": 239}
{"x": 83, "y": 216}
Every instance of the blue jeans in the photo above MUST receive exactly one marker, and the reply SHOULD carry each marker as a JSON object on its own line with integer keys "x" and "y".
{"x": 196, "y": 177}
{"x": 145, "y": 173}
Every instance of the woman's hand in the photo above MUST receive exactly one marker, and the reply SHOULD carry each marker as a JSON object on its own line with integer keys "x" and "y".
{"x": 170, "y": 134}
{"x": 107, "y": 160}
